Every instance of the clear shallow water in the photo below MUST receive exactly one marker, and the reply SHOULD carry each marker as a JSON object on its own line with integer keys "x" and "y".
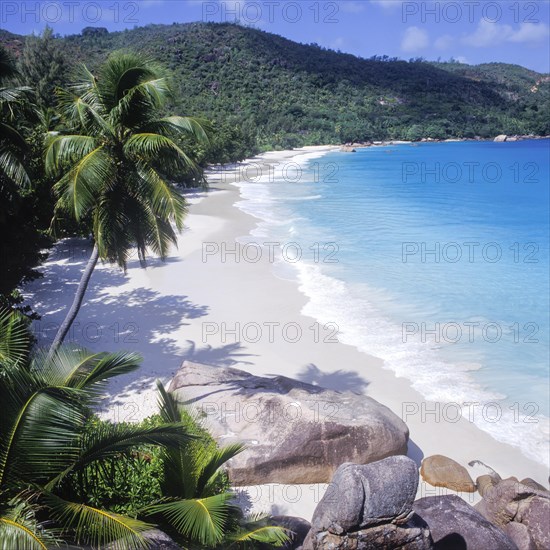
{"x": 439, "y": 264}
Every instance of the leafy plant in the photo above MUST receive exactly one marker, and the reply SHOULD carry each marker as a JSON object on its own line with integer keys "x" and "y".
{"x": 197, "y": 502}
{"x": 44, "y": 446}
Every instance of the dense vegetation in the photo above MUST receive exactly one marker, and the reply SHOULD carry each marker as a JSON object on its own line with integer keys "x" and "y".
{"x": 284, "y": 94}
{"x": 266, "y": 91}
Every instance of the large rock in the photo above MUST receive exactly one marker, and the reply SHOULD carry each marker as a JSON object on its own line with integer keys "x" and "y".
{"x": 294, "y": 432}
{"x": 520, "y": 535}
{"x": 533, "y": 484}
{"x": 535, "y": 515}
{"x": 370, "y": 506}
{"x": 454, "y": 525}
{"x": 440, "y": 471}
{"x": 413, "y": 535}
{"x": 501, "y": 138}
{"x": 511, "y": 501}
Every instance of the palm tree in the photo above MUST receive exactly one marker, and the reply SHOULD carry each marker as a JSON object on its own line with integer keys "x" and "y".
{"x": 115, "y": 161}
{"x": 196, "y": 503}
{"x": 44, "y": 448}
{"x": 12, "y": 143}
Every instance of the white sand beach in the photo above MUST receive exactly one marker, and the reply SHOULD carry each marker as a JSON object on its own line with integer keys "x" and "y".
{"x": 187, "y": 308}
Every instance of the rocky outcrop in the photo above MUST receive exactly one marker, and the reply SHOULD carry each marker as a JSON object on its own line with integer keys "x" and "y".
{"x": 500, "y": 138}
{"x": 294, "y": 432}
{"x": 454, "y": 524}
{"x": 511, "y": 501}
{"x": 348, "y": 149}
{"x": 370, "y": 506}
{"x": 413, "y": 535}
{"x": 533, "y": 484}
{"x": 519, "y": 533}
{"x": 440, "y": 471}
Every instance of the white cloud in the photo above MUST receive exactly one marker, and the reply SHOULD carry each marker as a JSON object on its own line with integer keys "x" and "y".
{"x": 492, "y": 34}
{"x": 532, "y": 33}
{"x": 487, "y": 34}
{"x": 444, "y": 42}
{"x": 352, "y": 6}
{"x": 151, "y": 3}
{"x": 414, "y": 39}
{"x": 388, "y": 4}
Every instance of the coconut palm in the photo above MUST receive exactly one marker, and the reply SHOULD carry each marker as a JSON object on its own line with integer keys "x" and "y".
{"x": 115, "y": 162}
{"x": 44, "y": 447}
{"x": 196, "y": 503}
{"x": 12, "y": 143}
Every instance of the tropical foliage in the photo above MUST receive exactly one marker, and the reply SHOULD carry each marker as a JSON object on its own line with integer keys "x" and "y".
{"x": 197, "y": 502}
{"x": 286, "y": 94}
{"x": 45, "y": 449}
{"x": 116, "y": 159}
{"x": 61, "y": 467}
{"x": 21, "y": 224}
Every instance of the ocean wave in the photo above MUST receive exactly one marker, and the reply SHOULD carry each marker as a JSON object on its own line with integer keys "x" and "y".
{"x": 368, "y": 328}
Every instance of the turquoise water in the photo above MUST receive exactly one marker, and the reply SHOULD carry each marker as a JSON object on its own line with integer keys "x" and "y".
{"x": 438, "y": 263}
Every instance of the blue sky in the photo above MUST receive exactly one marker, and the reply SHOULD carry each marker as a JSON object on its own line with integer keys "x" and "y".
{"x": 472, "y": 31}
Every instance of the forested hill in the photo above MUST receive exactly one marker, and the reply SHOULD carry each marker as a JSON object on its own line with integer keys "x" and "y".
{"x": 288, "y": 94}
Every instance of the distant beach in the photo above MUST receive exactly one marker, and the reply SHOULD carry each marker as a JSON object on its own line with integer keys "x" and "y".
{"x": 198, "y": 305}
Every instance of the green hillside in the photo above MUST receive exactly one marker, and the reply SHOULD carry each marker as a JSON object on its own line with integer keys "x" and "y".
{"x": 281, "y": 93}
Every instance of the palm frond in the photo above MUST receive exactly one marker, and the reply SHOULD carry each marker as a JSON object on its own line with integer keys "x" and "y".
{"x": 149, "y": 146}
{"x": 168, "y": 405}
{"x": 150, "y": 93}
{"x": 8, "y": 68}
{"x": 81, "y": 369}
{"x": 181, "y": 471}
{"x": 80, "y": 187}
{"x": 166, "y": 202}
{"x": 181, "y": 126}
{"x": 267, "y": 534}
{"x": 84, "y": 112}
{"x": 110, "y": 440}
{"x": 9, "y": 134}
{"x": 202, "y": 520}
{"x": 159, "y": 236}
{"x": 212, "y": 462}
{"x": 62, "y": 150}
{"x": 20, "y": 529}
{"x": 122, "y": 72}
{"x": 14, "y": 169}
{"x": 14, "y": 338}
{"x": 88, "y": 525}
{"x": 39, "y": 426}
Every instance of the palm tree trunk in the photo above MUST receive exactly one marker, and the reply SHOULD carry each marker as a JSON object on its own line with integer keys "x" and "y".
{"x": 77, "y": 302}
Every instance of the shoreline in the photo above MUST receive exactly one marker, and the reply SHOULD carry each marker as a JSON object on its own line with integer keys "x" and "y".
{"x": 175, "y": 311}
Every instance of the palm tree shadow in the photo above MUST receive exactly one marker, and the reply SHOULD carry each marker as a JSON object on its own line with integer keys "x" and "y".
{"x": 114, "y": 317}
{"x": 338, "y": 380}
{"x": 223, "y": 356}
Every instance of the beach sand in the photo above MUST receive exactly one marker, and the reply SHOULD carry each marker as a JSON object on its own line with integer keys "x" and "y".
{"x": 187, "y": 308}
